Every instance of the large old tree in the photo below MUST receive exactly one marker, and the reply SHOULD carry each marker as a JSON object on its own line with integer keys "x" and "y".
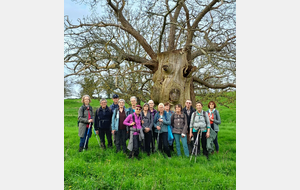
{"x": 164, "y": 50}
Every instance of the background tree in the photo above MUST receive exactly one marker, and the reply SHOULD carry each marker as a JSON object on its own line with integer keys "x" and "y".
{"x": 171, "y": 49}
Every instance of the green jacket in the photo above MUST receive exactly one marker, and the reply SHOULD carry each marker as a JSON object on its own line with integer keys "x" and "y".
{"x": 210, "y": 144}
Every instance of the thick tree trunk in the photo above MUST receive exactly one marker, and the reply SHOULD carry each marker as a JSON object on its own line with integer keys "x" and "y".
{"x": 173, "y": 79}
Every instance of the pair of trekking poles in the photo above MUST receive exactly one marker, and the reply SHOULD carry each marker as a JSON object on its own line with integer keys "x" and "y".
{"x": 195, "y": 149}
{"x": 88, "y": 136}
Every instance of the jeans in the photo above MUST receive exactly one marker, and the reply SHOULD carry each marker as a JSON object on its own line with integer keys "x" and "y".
{"x": 216, "y": 139}
{"x": 82, "y": 139}
{"x": 184, "y": 144}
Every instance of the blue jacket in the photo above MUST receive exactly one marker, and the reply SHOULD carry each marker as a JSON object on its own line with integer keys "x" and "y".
{"x": 113, "y": 107}
{"x": 164, "y": 125}
{"x": 115, "y": 119}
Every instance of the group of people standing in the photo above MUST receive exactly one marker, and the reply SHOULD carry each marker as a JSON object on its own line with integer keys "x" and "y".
{"x": 147, "y": 129}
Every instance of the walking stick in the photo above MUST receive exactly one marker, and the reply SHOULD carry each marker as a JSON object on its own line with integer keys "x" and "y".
{"x": 96, "y": 137}
{"x": 87, "y": 135}
{"x": 195, "y": 149}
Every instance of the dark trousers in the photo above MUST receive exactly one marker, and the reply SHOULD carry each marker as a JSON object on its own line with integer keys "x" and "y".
{"x": 153, "y": 140}
{"x": 216, "y": 139}
{"x": 120, "y": 136}
{"x": 163, "y": 141}
{"x": 136, "y": 145}
{"x": 147, "y": 140}
{"x": 82, "y": 139}
{"x": 102, "y": 134}
{"x": 204, "y": 142}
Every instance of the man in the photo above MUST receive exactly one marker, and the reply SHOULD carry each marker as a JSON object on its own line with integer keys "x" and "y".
{"x": 188, "y": 110}
{"x": 113, "y": 107}
{"x": 153, "y": 112}
{"x": 115, "y": 103}
{"x": 103, "y": 123}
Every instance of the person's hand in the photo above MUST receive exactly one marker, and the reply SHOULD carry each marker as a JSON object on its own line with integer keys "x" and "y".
{"x": 160, "y": 119}
{"x": 90, "y": 120}
{"x": 182, "y": 135}
{"x": 158, "y": 127}
{"x": 211, "y": 119}
{"x": 142, "y": 121}
{"x": 97, "y": 132}
{"x": 191, "y": 134}
{"x": 113, "y": 131}
{"x": 147, "y": 130}
{"x": 207, "y": 135}
{"x": 133, "y": 123}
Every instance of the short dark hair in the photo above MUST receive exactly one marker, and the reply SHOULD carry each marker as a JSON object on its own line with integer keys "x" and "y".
{"x": 198, "y": 102}
{"x": 215, "y": 105}
{"x": 167, "y": 104}
{"x": 180, "y": 106}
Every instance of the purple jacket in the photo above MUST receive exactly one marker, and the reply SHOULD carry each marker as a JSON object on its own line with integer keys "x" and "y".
{"x": 138, "y": 124}
{"x": 153, "y": 113}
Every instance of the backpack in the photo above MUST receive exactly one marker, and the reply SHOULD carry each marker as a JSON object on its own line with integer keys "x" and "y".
{"x": 83, "y": 108}
{"x": 194, "y": 115}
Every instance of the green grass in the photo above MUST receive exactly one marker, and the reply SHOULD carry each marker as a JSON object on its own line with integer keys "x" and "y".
{"x": 104, "y": 169}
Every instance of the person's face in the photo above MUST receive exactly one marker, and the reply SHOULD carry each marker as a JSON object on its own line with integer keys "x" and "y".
{"x": 115, "y": 100}
{"x": 86, "y": 100}
{"x": 145, "y": 108}
{"x": 188, "y": 104}
{"x": 151, "y": 104}
{"x": 160, "y": 108}
{"x": 121, "y": 104}
{"x": 133, "y": 102}
{"x": 138, "y": 110}
{"x": 103, "y": 104}
{"x": 177, "y": 109}
{"x": 199, "y": 107}
{"x": 211, "y": 106}
{"x": 167, "y": 108}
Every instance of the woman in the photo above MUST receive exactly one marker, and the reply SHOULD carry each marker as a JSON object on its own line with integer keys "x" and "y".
{"x": 85, "y": 118}
{"x": 136, "y": 133}
{"x": 215, "y": 121}
{"x": 179, "y": 124}
{"x": 153, "y": 112}
{"x": 200, "y": 121}
{"x": 147, "y": 124}
{"x": 161, "y": 122}
{"x": 118, "y": 128}
{"x": 170, "y": 136}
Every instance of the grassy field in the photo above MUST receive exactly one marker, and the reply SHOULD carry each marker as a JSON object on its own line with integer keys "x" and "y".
{"x": 104, "y": 169}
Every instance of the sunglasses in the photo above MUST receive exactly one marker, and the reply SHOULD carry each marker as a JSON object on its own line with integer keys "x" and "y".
{"x": 138, "y": 109}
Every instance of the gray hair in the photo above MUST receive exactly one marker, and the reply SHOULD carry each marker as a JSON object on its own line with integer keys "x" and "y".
{"x": 103, "y": 99}
{"x": 84, "y": 97}
{"x": 161, "y": 104}
{"x": 121, "y": 100}
{"x": 150, "y": 101}
{"x": 133, "y": 97}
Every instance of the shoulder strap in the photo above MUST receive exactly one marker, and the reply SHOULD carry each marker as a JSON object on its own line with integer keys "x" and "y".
{"x": 133, "y": 117}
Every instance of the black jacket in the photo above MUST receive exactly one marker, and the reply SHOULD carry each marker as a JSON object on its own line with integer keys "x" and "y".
{"x": 103, "y": 118}
{"x": 188, "y": 117}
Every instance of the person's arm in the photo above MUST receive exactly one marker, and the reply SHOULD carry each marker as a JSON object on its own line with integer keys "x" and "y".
{"x": 172, "y": 120}
{"x": 167, "y": 121}
{"x": 113, "y": 120}
{"x": 151, "y": 122}
{"x": 127, "y": 120}
{"x": 185, "y": 127}
{"x": 155, "y": 121}
{"x": 96, "y": 121}
{"x": 81, "y": 118}
{"x": 217, "y": 119}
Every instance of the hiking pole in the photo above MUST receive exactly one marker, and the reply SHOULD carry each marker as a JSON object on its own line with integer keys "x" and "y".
{"x": 195, "y": 146}
{"x": 87, "y": 135}
{"x": 96, "y": 137}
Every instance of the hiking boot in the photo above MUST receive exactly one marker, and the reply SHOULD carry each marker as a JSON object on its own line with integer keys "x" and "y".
{"x": 80, "y": 149}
